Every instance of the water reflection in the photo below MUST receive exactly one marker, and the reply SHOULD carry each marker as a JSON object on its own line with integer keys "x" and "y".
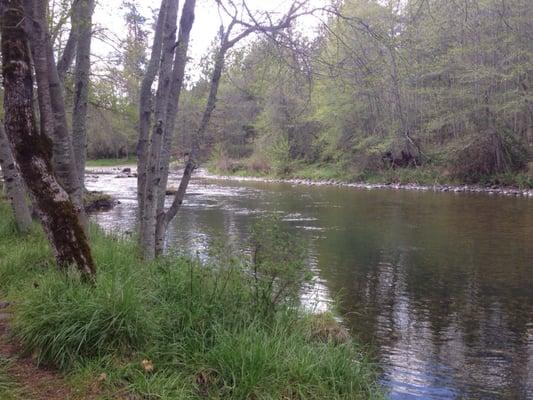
{"x": 440, "y": 284}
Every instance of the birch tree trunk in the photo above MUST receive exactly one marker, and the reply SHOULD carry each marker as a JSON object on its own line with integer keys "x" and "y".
{"x": 32, "y": 149}
{"x": 13, "y": 184}
{"x": 82, "y": 69}
{"x": 145, "y": 107}
{"x": 180, "y": 62}
{"x": 191, "y": 164}
{"x": 153, "y": 173}
{"x": 69, "y": 52}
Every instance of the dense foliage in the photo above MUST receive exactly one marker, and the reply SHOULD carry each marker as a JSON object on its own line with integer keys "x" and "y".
{"x": 438, "y": 86}
{"x": 442, "y": 85}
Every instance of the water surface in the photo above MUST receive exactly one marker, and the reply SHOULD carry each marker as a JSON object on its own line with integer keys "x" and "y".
{"x": 439, "y": 284}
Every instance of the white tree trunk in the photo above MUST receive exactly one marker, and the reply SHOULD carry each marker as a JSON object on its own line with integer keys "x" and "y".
{"x": 145, "y": 107}
{"x": 82, "y": 69}
{"x": 153, "y": 173}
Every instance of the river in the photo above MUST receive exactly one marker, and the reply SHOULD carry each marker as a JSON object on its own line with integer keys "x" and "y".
{"x": 438, "y": 285}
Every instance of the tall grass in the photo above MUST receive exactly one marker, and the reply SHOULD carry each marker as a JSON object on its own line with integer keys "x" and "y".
{"x": 171, "y": 329}
{"x": 8, "y": 388}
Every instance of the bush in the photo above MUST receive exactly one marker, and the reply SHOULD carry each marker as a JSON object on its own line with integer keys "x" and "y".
{"x": 278, "y": 264}
{"x": 486, "y": 155}
{"x": 258, "y": 165}
{"x": 279, "y": 157}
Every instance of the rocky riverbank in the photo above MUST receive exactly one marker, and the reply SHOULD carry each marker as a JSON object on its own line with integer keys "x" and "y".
{"x": 490, "y": 190}
{"x": 129, "y": 171}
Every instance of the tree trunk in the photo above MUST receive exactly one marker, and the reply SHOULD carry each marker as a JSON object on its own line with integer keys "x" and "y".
{"x": 32, "y": 149}
{"x": 81, "y": 86}
{"x": 180, "y": 62}
{"x": 153, "y": 173}
{"x": 52, "y": 105}
{"x": 13, "y": 184}
{"x": 145, "y": 107}
{"x": 67, "y": 57}
{"x": 164, "y": 220}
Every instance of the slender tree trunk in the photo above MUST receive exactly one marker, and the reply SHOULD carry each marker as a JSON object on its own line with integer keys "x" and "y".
{"x": 32, "y": 149}
{"x": 528, "y": 111}
{"x": 153, "y": 173}
{"x": 145, "y": 107}
{"x": 191, "y": 165}
{"x": 180, "y": 62}
{"x": 81, "y": 86}
{"x": 69, "y": 52}
{"x": 13, "y": 184}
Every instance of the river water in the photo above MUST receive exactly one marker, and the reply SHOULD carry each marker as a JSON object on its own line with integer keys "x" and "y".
{"x": 439, "y": 285}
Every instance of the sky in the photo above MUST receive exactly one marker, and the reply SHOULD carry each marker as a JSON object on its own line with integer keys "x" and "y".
{"x": 109, "y": 15}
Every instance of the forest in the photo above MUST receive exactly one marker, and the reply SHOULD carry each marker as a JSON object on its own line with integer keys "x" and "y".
{"x": 156, "y": 241}
{"x": 417, "y": 90}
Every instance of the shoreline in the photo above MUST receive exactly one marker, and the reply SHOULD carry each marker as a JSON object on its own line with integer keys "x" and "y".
{"x": 205, "y": 174}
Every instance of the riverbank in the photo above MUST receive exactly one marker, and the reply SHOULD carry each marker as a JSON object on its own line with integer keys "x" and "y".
{"x": 460, "y": 188}
{"x": 424, "y": 180}
{"x": 170, "y": 329}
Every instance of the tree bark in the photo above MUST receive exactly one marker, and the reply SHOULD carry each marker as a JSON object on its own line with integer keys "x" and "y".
{"x": 153, "y": 176}
{"x": 52, "y": 104}
{"x": 191, "y": 165}
{"x": 32, "y": 149}
{"x": 145, "y": 107}
{"x": 180, "y": 62}
{"x": 13, "y": 184}
{"x": 81, "y": 86}
{"x": 69, "y": 52}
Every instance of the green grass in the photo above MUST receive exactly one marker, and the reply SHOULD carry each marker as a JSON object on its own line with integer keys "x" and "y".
{"x": 427, "y": 175}
{"x": 199, "y": 325}
{"x": 112, "y": 162}
{"x": 8, "y": 388}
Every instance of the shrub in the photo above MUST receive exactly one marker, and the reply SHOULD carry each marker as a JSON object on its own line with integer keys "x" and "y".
{"x": 279, "y": 157}
{"x": 278, "y": 264}
{"x": 484, "y": 155}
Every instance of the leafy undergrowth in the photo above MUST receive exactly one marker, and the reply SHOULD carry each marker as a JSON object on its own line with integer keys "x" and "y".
{"x": 171, "y": 329}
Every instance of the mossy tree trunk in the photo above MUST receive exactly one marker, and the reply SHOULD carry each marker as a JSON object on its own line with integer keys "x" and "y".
{"x": 32, "y": 149}
{"x": 52, "y": 104}
{"x": 14, "y": 186}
